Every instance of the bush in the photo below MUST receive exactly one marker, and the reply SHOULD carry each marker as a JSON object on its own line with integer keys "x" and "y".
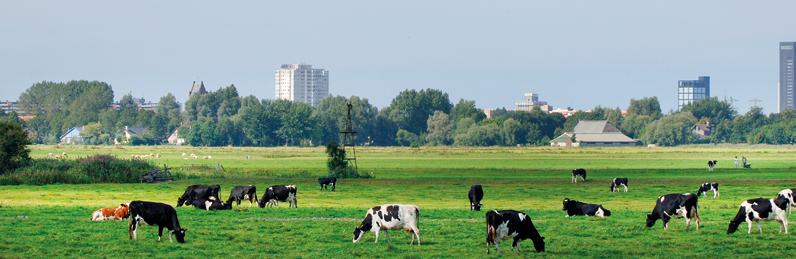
{"x": 94, "y": 169}
{"x": 337, "y": 163}
{"x": 13, "y": 146}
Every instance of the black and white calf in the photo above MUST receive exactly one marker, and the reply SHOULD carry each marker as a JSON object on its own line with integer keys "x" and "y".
{"x": 476, "y": 194}
{"x": 712, "y": 165}
{"x": 616, "y": 182}
{"x": 675, "y": 205}
{"x": 277, "y": 193}
{"x": 502, "y": 224}
{"x": 580, "y": 172}
{"x": 326, "y": 181}
{"x": 789, "y": 194}
{"x": 576, "y": 208}
{"x": 390, "y": 217}
{"x": 155, "y": 213}
{"x": 198, "y": 191}
{"x": 211, "y": 204}
{"x": 761, "y": 209}
{"x": 706, "y": 187}
{"x": 240, "y": 193}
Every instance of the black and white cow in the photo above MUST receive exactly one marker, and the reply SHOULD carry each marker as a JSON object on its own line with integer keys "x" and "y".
{"x": 789, "y": 194}
{"x": 198, "y": 191}
{"x": 706, "y": 187}
{"x": 476, "y": 194}
{"x": 675, "y": 205}
{"x": 211, "y": 204}
{"x": 712, "y": 165}
{"x": 580, "y": 172}
{"x": 502, "y": 224}
{"x": 155, "y": 213}
{"x": 326, "y": 181}
{"x": 616, "y": 182}
{"x": 576, "y": 208}
{"x": 277, "y": 193}
{"x": 240, "y": 193}
{"x": 390, "y": 217}
{"x": 761, "y": 209}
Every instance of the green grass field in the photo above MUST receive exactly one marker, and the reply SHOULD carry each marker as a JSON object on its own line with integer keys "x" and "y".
{"x": 53, "y": 220}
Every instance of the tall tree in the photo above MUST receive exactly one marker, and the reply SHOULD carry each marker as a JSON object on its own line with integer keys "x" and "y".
{"x": 410, "y": 109}
{"x": 439, "y": 129}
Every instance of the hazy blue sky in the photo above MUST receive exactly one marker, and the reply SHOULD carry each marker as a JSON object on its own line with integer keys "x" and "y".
{"x": 573, "y": 53}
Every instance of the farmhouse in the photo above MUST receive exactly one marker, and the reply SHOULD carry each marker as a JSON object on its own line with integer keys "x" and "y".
{"x": 175, "y": 138}
{"x": 72, "y": 136}
{"x": 593, "y": 133}
{"x": 128, "y": 134}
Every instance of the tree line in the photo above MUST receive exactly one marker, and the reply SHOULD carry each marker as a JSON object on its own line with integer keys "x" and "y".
{"x": 413, "y": 118}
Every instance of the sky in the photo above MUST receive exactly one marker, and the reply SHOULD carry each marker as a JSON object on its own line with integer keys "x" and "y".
{"x": 577, "y": 53}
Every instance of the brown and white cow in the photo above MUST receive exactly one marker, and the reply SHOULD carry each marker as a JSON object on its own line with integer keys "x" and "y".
{"x": 390, "y": 217}
{"x": 118, "y": 213}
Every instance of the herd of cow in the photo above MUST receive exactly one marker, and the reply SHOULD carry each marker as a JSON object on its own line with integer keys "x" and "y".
{"x": 500, "y": 224}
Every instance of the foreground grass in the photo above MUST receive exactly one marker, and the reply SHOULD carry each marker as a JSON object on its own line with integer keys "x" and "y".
{"x": 53, "y": 220}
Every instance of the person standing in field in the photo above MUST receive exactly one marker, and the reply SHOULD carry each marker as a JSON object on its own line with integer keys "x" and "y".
{"x": 736, "y": 162}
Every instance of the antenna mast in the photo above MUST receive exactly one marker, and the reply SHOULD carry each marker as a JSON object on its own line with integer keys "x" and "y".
{"x": 349, "y": 137}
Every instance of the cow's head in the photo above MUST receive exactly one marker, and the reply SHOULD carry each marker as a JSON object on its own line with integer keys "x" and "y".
{"x": 180, "y": 234}
{"x": 367, "y": 225}
{"x": 538, "y": 244}
{"x": 733, "y": 226}
{"x": 651, "y": 218}
{"x": 566, "y": 203}
{"x": 476, "y": 206}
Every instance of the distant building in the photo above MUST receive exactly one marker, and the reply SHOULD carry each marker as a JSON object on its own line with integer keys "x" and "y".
{"x": 593, "y": 133}
{"x": 9, "y": 107}
{"x": 175, "y": 138}
{"x": 786, "y": 94}
{"x": 128, "y": 134}
{"x": 197, "y": 89}
{"x": 531, "y": 101}
{"x": 142, "y": 104}
{"x": 301, "y": 83}
{"x": 702, "y": 130}
{"x": 689, "y": 91}
{"x": 566, "y": 112}
{"x": 72, "y": 136}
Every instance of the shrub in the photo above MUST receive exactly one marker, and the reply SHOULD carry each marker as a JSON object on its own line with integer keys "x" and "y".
{"x": 337, "y": 163}
{"x": 94, "y": 169}
{"x": 13, "y": 146}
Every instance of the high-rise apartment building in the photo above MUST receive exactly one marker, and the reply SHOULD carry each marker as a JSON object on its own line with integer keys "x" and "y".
{"x": 301, "y": 83}
{"x": 786, "y": 72}
{"x": 689, "y": 91}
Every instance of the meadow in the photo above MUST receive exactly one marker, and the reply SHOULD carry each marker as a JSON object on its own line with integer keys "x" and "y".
{"x": 53, "y": 220}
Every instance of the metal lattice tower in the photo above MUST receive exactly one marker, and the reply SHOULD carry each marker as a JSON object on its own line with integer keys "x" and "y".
{"x": 349, "y": 138}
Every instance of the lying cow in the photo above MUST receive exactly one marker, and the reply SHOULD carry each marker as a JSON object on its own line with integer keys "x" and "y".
{"x": 616, "y": 182}
{"x": 706, "y": 187}
{"x": 476, "y": 194}
{"x": 502, "y": 224}
{"x": 198, "y": 191}
{"x": 326, "y": 181}
{"x": 576, "y": 208}
{"x": 789, "y": 194}
{"x": 118, "y": 213}
{"x": 277, "y": 193}
{"x": 390, "y": 217}
{"x": 675, "y": 205}
{"x": 211, "y": 204}
{"x": 240, "y": 193}
{"x": 155, "y": 213}
{"x": 580, "y": 172}
{"x": 761, "y": 209}
{"x": 712, "y": 165}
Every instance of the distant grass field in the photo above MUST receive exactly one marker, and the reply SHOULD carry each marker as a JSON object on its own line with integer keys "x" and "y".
{"x": 53, "y": 220}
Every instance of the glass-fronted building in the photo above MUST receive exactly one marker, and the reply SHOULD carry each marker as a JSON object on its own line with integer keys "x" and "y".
{"x": 689, "y": 91}
{"x": 787, "y": 55}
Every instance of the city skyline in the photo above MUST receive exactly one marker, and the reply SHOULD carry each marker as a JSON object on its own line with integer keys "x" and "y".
{"x": 579, "y": 55}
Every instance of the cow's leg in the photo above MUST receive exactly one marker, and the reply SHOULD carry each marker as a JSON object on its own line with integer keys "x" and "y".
{"x": 416, "y": 232}
{"x": 516, "y": 244}
{"x": 160, "y": 233}
{"x": 334, "y": 185}
{"x": 785, "y": 223}
{"x": 171, "y": 232}
{"x": 131, "y": 228}
{"x": 376, "y": 232}
{"x": 574, "y": 180}
{"x": 749, "y": 223}
{"x": 760, "y": 227}
{"x": 625, "y": 187}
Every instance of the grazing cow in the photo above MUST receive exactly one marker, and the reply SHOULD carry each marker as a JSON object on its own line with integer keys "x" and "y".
{"x": 476, "y": 194}
{"x": 240, "y": 193}
{"x": 675, "y": 205}
{"x": 789, "y": 194}
{"x": 761, "y": 209}
{"x": 326, "y": 181}
{"x": 712, "y": 186}
{"x": 576, "y": 208}
{"x": 155, "y": 213}
{"x": 502, "y": 224}
{"x": 616, "y": 182}
{"x": 279, "y": 193}
{"x": 118, "y": 213}
{"x": 712, "y": 165}
{"x": 390, "y": 217}
{"x": 211, "y": 204}
{"x": 198, "y": 191}
{"x": 580, "y": 172}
